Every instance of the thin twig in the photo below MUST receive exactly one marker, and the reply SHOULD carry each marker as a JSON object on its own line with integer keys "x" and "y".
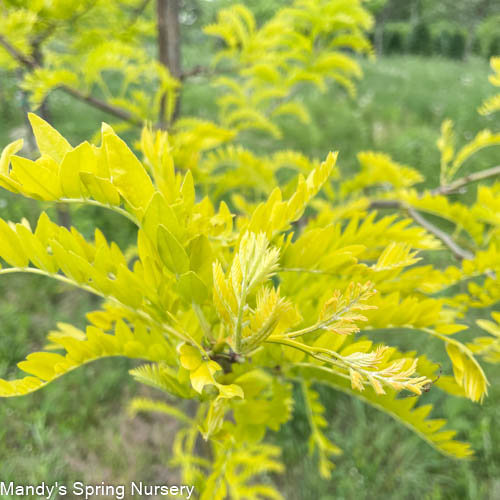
{"x": 38, "y": 40}
{"x": 468, "y": 179}
{"x": 53, "y": 26}
{"x": 459, "y": 252}
{"x": 89, "y": 201}
{"x": 17, "y": 54}
{"x": 137, "y": 12}
{"x": 389, "y": 204}
{"x": 195, "y": 71}
{"x": 69, "y": 281}
{"x": 102, "y": 105}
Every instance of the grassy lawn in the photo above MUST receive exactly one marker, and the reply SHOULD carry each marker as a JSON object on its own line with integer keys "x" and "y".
{"x": 77, "y": 428}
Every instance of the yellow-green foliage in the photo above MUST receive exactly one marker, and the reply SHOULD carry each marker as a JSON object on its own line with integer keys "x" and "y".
{"x": 77, "y": 44}
{"x": 301, "y": 43}
{"x": 238, "y": 288}
{"x": 493, "y": 103}
{"x": 309, "y": 42}
{"x": 231, "y": 309}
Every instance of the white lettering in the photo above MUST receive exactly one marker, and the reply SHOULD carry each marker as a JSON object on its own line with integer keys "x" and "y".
{"x": 50, "y": 490}
{"x": 120, "y": 492}
{"x": 134, "y": 488}
{"x": 6, "y": 491}
{"x": 89, "y": 491}
{"x": 78, "y": 488}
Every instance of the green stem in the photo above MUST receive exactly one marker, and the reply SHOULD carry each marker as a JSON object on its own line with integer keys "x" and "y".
{"x": 323, "y": 324}
{"x": 323, "y": 368}
{"x": 315, "y": 352}
{"x": 69, "y": 281}
{"x": 202, "y": 320}
{"x": 303, "y": 270}
{"x": 96, "y": 203}
{"x": 239, "y": 322}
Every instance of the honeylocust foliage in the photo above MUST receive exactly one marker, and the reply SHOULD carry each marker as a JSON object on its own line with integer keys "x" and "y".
{"x": 492, "y": 104}
{"x": 262, "y": 68}
{"x": 76, "y": 46}
{"x": 231, "y": 309}
{"x": 85, "y": 48}
{"x": 301, "y": 43}
{"x": 240, "y": 289}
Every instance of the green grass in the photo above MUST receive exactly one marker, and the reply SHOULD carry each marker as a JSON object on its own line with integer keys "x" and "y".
{"x": 399, "y": 109}
{"x": 77, "y": 427}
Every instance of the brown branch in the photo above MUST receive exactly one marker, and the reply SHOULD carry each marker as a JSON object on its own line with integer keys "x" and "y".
{"x": 459, "y": 252}
{"x": 37, "y": 41}
{"x": 140, "y": 8}
{"x": 137, "y": 12}
{"x": 121, "y": 113}
{"x": 394, "y": 204}
{"x": 168, "y": 29}
{"x": 468, "y": 179}
{"x": 17, "y": 54}
{"x": 195, "y": 71}
{"x": 32, "y": 64}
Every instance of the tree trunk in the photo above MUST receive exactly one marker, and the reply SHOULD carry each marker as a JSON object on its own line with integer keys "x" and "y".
{"x": 169, "y": 48}
{"x": 378, "y": 41}
{"x": 416, "y": 12}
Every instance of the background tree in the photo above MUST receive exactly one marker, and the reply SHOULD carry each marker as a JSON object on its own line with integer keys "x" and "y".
{"x": 461, "y": 17}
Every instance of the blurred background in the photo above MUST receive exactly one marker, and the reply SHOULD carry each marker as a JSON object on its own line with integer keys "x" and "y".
{"x": 432, "y": 63}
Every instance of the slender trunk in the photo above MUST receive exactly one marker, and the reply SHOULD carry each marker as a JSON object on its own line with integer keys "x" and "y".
{"x": 379, "y": 36}
{"x": 416, "y": 12}
{"x": 169, "y": 48}
{"x": 63, "y": 214}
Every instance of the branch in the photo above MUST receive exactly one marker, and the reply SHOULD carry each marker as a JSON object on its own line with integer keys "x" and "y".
{"x": 459, "y": 252}
{"x": 31, "y": 64}
{"x": 44, "y": 35}
{"x": 468, "y": 179}
{"x": 121, "y": 113}
{"x": 111, "y": 298}
{"x": 394, "y": 204}
{"x": 53, "y": 26}
{"x": 17, "y": 54}
{"x": 195, "y": 71}
{"x": 169, "y": 51}
{"x": 137, "y": 11}
{"x": 455, "y": 186}
{"x": 88, "y": 201}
